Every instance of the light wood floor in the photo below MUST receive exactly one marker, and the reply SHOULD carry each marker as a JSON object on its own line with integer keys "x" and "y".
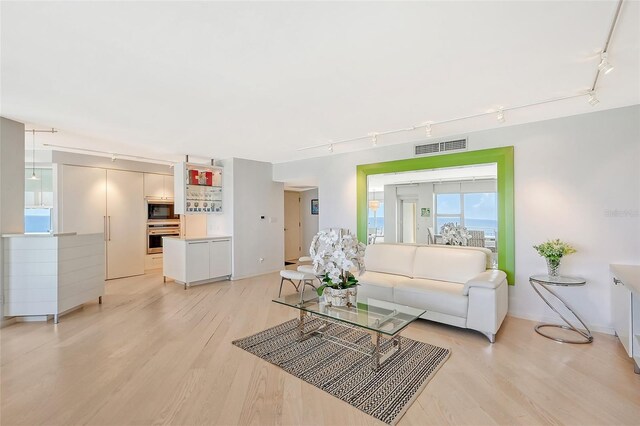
{"x": 154, "y": 353}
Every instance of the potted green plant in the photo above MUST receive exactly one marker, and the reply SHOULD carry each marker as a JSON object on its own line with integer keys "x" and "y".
{"x": 553, "y": 251}
{"x": 335, "y": 254}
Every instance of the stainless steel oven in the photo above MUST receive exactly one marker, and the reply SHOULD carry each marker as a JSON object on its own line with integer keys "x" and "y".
{"x": 155, "y": 232}
{"x": 160, "y": 210}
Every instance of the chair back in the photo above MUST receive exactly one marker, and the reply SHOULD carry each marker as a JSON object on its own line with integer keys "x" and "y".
{"x": 477, "y": 239}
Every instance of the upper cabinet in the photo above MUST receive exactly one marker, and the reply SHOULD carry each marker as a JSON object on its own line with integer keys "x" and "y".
{"x": 198, "y": 188}
{"x": 158, "y": 186}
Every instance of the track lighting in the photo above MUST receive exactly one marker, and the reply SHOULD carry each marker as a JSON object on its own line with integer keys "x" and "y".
{"x": 374, "y": 139}
{"x": 500, "y": 116}
{"x": 330, "y": 147}
{"x": 427, "y": 130}
{"x": 593, "y": 100}
{"x": 605, "y": 67}
{"x": 113, "y": 158}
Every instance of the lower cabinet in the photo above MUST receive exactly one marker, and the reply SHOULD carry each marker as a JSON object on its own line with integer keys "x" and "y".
{"x": 196, "y": 260}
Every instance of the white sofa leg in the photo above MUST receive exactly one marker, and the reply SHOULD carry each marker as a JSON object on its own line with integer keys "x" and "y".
{"x": 490, "y": 336}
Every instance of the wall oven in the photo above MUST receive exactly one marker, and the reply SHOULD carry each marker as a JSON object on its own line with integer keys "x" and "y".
{"x": 161, "y": 210}
{"x": 155, "y": 232}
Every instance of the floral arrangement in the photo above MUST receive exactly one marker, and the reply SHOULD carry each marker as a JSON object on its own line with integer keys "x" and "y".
{"x": 336, "y": 254}
{"x": 554, "y": 250}
{"x": 454, "y": 234}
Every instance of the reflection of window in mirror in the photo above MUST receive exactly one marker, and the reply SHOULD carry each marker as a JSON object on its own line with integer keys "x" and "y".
{"x": 413, "y": 207}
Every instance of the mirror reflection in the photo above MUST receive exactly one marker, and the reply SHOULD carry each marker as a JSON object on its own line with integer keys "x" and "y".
{"x": 451, "y": 206}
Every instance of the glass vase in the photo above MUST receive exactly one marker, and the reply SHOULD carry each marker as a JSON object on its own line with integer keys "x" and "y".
{"x": 553, "y": 266}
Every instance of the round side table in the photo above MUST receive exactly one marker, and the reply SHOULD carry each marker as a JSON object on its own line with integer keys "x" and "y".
{"x": 539, "y": 282}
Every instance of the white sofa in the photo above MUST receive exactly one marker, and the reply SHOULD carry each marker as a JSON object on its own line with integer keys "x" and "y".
{"x": 453, "y": 284}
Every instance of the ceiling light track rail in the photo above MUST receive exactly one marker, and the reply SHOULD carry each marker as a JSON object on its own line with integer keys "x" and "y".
{"x": 114, "y": 155}
{"x": 604, "y": 67}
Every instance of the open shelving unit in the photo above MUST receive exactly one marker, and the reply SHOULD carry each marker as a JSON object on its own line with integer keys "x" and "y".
{"x": 198, "y": 188}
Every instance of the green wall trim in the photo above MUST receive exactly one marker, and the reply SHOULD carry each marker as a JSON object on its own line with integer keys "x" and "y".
{"x": 503, "y": 157}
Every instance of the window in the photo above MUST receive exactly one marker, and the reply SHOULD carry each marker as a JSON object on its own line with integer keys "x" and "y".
{"x": 38, "y": 201}
{"x": 478, "y": 211}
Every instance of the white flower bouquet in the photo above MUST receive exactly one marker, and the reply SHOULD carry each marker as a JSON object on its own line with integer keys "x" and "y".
{"x": 454, "y": 234}
{"x": 336, "y": 254}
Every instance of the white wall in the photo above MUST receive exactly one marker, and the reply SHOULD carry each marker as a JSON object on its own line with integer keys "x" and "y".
{"x": 249, "y": 193}
{"x": 576, "y": 178}
{"x": 11, "y": 188}
{"x": 309, "y": 222}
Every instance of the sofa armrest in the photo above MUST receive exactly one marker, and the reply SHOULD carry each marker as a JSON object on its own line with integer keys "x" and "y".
{"x": 491, "y": 278}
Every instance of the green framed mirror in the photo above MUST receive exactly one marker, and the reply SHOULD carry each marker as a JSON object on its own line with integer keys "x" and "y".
{"x": 501, "y": 157}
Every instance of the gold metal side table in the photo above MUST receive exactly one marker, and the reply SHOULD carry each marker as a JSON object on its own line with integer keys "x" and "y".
{"x": 539, "y": 282}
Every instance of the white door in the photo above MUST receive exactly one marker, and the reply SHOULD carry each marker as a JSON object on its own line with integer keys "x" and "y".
{"x": 153, "y": 185}
{"x": 408, "y": 222}
{"x": 197, "y": 261}
{"x": 291, "y": 225}
{"x": 82, "y": 200}
{"x": 168, "y": 186}
{"x": 126, "y": 225}
{"x": 219, "y": 258}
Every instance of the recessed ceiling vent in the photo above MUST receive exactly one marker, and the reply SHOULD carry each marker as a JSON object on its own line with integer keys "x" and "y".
{"x": 438, "y": 147}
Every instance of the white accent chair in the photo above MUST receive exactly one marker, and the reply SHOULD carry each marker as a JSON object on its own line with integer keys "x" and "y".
{"x": 453, "y": 284}
{"x": 303, "y": 279}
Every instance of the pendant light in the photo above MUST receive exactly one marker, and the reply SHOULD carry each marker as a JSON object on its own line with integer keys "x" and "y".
{"x": 33, "y": 158}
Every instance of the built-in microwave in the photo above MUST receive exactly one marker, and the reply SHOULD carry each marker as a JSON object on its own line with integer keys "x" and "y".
{"x": 160, "y": 210}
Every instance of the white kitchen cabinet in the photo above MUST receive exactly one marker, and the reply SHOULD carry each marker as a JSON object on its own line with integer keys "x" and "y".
{"x": 111, "y": 202}
{"x": 197, "y": 260}
{"x": 219, "y": 258}
{"x": 126, "y": 240}
{"x": 82, "y": 199}
{"x": 158, "y": 186}
{"x": 625, "y": 306}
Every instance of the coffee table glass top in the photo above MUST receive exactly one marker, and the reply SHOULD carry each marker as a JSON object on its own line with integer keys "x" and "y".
{"x": 373, "y": 314}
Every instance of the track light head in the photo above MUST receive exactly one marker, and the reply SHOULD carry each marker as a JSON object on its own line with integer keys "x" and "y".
{"x": 427, "y": 130}
{"x": 113, "y": 158}
{"x": 605, "y": 67}
{"x": 330, "y": 147}
{"x": 500, "y": 116}
{"x": 374, "y": 139}
{"x": 593, "y": 99}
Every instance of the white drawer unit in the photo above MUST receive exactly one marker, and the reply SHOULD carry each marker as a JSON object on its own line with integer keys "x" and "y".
{"x": 625, "y": 305}
{"x": 198, "y": 260}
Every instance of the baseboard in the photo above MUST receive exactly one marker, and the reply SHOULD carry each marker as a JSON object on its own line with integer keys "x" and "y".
{"x": 242, "y": 277}
{"x": 556, "y": 320}
{"x": 7, "y": 321}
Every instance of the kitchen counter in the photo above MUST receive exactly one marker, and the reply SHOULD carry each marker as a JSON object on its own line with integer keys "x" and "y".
{"x": 197, "y": 260}
{"x": 51, "y": 274}
{"x": 203, "y": 238}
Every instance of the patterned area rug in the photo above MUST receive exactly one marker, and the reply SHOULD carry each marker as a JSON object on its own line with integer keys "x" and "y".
{"x": 346, "y": 374}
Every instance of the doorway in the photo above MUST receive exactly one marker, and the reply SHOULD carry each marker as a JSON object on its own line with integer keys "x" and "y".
{"x": 292, "y": 224}
{"x": 407, "y": 220}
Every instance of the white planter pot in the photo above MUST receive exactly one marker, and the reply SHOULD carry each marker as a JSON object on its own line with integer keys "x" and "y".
{"x": 341, "y": 297}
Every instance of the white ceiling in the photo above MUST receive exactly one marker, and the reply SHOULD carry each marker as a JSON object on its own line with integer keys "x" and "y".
{"x": 260, "y": 80}
{"x": 482, "y": 171}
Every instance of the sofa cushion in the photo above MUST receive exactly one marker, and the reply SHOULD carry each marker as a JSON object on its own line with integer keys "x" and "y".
{"x": 377, "y": 285}
{"x": 448, "y": 264}
{"x": 431, "y": 295}
{"x": 394, "y": 259}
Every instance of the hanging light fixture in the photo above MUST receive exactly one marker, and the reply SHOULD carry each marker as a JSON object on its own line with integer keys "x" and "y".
{"x": 33, "y": 157}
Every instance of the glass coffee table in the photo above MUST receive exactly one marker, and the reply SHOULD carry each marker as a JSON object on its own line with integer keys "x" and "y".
{"x": 377, "y": 317}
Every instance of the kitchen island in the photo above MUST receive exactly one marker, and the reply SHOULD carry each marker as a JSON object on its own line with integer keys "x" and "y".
{"x": 197, "y": 260}
{"x": 51, "y": 274}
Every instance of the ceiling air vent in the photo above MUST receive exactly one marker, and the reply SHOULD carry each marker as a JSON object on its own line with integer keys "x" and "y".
{"x": 438, "y": 147}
